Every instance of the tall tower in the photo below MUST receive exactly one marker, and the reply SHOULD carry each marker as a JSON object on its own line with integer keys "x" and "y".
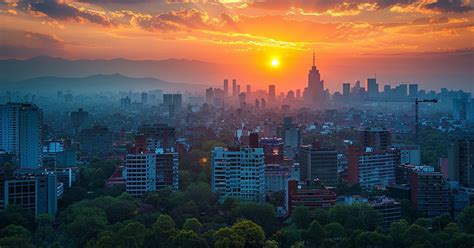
{"x": 315, "y": 90}
{"x": 226, "y": 87}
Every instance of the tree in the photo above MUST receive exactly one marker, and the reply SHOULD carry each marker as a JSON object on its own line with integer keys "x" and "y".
{"x": 192, "y": 224}
{"x": 315, "y": 234}
{"x": 15, "y": 236}
{"x": 416, "y": 234}
{"x": 188, "y": 238}
{"x": 372, "y": 240}
{"x": 397, "y": 232}
{"x": 133, "y": 235}
{"x": 85, "y": 224}
{"x": 321, "y": 215}
{"x": 334, "y": 231}
{"x": 228, "y": 238}
{"x": 44, "y": 234}
{"x": 253, "y": 233}
{"x": 262, "y": 214}
{"x": 271, "y": 244}
{"x": 466, "y": 220}
{"x": 121, "y": 210}
{"x": 300, "y": 217}
{"x": 355, "y": 216}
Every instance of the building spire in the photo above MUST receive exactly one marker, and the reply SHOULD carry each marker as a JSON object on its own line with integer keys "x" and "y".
{"x": 314, "y": 64}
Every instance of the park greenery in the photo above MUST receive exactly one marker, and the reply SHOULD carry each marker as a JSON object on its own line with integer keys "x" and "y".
{"x": 93, "y": 215}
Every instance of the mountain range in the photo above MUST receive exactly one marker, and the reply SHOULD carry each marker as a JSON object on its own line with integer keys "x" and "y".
{"x": 39, "y": 72}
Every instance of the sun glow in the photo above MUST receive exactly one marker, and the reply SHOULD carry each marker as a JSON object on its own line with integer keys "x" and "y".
{"x": 275, "y": 62}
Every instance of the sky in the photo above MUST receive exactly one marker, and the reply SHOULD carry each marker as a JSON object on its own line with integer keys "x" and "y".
{"x": 430, "y": 42}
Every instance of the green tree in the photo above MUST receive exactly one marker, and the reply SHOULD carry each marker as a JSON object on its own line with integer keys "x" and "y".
{"x": 397, "y": 232}
{"x": 85, "y": 225}
{"x": 15, "y": 236}
{"x": 188, "y": 238}
{"x": 372, "y": 240}
{"x": 466, "y": 220}
{"x": 133, "y": 235}
{"x": 121, "y": 210}
{"x": 253, "y": 233}
{"x": 315, "y": 234}
{"x": 192, "y": 224}
{"x": 228, "y": 238}
{"x": 301, "y": 217}
{"x": 44, "y": 234}
{"x": 263, "y": 214}
{"x": 416, "y": 234}
{"x": 334, "y": 231}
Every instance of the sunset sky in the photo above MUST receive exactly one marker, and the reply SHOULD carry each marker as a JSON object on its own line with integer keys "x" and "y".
{"x": 426, "y": 41}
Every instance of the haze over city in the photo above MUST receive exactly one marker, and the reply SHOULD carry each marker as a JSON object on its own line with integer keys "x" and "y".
{"x": 237, "y": 123}
{"x": 425, "y": 42}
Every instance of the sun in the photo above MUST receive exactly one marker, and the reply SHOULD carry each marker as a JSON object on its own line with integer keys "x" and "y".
{"x": 275, "y": 62}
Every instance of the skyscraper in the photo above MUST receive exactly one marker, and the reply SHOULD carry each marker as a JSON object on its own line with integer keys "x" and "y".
{"x": 234, "y": 87}
{"x": 377, "y": 138}
{"x": 140, "y": 173}
{"x": 226, "y": 87}
{"x": 21, "y": 133}
{"x": 271, "y": 93}
{"x": 249, "y": 90}
{"x": 413, "y": 90}
{"x": 315, "y": 89}
{"x": 372, "y": 87}
{"x": 346, "y": 89}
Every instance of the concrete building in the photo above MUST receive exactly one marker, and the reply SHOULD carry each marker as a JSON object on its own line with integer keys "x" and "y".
{"x": 21, "y": 127}
{"x": 96, "y": 142}
{"x": 377, "y": 138}
{"x": 369, "y": 167}
{"x": 167, "y": 168}
{"x": 461, "y": 162}
{"x": 35, "y": 193}
{"x": 310, "y": 194}
{"x": 429, "y": 193}
{"x": 318, "y": 163}
{"x": 238, "y": 173}
{"x": 388, "y": 210}
{"x": 409, "y": 154}
{"x": 140, "y": 173}
{"x": 372, "y": 87}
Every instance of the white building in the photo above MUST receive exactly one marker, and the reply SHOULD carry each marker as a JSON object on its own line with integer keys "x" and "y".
{"x": 409, "y": 154}
{"x": 140, "y": 172}
{"x": 239, "y": 173}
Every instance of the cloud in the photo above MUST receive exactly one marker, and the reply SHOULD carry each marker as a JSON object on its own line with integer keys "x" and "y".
{"x": 61, "y": 10}
{"x": 456, "y": 6}
{"x": 26, "y": 43}
{"x": 353, "y": 7}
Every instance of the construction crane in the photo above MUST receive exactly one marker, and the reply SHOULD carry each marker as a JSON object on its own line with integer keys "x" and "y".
{"x": 412, "y": 100}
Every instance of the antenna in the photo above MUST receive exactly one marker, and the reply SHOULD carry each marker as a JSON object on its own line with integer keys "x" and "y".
{"x": 314, "y": 59}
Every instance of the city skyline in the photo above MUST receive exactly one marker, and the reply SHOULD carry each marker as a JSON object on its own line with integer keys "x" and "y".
{"x": 425, "y": 42}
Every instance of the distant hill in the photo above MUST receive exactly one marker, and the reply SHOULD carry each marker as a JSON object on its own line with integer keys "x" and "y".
{"x": 171, "y": 70}
{"x": 97, "y": 83}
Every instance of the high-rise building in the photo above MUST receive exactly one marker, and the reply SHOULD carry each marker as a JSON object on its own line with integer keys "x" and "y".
{"x": 226, "y": 87}
{"x": 249, "y": 90}
{"x": 429, "y": 193}
{"x": 21, "y": 127}
{"x": 239, "y": 173}
{"x": 409, "y": 154}
{"x": 371, "y": 168}
{"x": 162, "y": 133}
{"x": 173, "y": 103}
{"x": 272, "y": 149}
{"x": 271, "y": 93}
{"x": 167, "y": 168}
{"x": 315, "y": 89}
{"x": 125, "y": 102}
{"x": 79, "y": 118}
{"x": 413, "y": 90}
{"x": 140, "y": 170}
{"x": 144, "y": 98}
{"x": 96, "y": 142}
{"x": 461, "y": 162}
{"x": 209, "y": 96}
{"x": 318, "y": 163}
{"x": 234, "y": 87}
{"x": 291, "y": 137}
{"x": 372, "y": 87}
{"x": 346, "y": 89}
{"x": 463, "y": 109}
{"x": 377, "y": 138}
